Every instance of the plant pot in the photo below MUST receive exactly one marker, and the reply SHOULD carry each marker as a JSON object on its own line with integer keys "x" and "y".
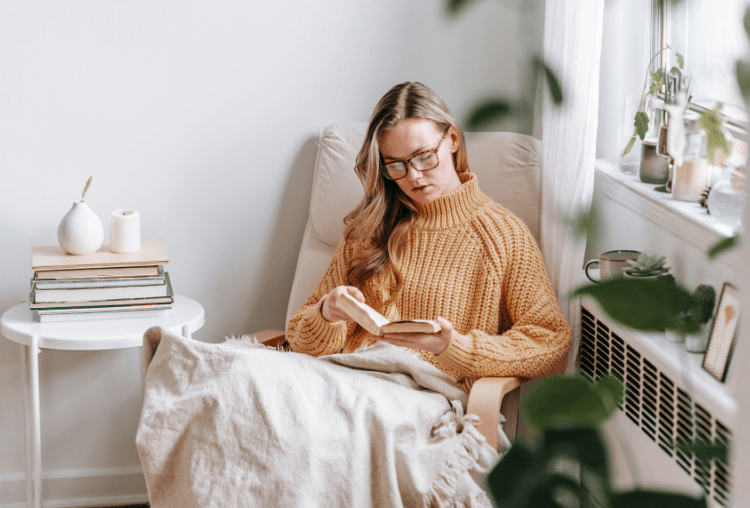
{"x": 674, "y": 336}
{"x": 649, "y": 277}
{"x": 80, "y": 231}
{"x": 654, "y": 167}
{"x": 697, "y": 342}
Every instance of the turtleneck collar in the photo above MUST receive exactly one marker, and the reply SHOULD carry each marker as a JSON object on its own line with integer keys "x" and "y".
{"x": 455, "y": 208}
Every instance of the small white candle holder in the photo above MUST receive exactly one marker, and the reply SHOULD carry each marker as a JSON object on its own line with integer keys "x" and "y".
{"x": 125, "y": 231}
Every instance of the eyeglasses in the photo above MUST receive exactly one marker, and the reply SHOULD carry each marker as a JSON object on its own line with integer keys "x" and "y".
{"x": 423, "y": 161}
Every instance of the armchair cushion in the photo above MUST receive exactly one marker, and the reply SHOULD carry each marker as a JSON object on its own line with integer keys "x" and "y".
{"x": 336, "y": 188}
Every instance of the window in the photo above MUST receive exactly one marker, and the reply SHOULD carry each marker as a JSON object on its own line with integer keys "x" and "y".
{"x": 710, "y": 36}
{"x": 708, "y": 33}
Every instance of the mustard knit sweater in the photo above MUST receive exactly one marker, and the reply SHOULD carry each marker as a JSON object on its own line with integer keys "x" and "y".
{"x": 472, "y": 262}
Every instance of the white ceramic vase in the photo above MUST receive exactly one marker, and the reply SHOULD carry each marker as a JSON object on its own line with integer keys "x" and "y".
{"x": 80, "y": 232}
{"x": 697, "y": 342}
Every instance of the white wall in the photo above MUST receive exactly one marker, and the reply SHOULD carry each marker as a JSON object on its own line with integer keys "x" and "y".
{"x": 203, "y": 116}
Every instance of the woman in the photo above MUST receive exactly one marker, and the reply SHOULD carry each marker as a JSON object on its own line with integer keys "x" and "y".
{"x": 426, "y": 243}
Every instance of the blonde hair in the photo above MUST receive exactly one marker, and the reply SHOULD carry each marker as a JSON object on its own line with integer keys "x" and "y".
{"x": 379, "y": 225}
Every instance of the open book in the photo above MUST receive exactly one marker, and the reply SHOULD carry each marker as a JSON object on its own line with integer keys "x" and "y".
{"x": 377, "y": 324}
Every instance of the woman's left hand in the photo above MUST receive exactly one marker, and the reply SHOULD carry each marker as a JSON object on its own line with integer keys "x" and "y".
{"x": 430, "y": 342}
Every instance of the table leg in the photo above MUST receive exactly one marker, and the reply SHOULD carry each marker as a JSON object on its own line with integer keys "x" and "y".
{"x": 186, "y": 331}
{"x": 25, "y": 359}
{"x": 35, "y": 420}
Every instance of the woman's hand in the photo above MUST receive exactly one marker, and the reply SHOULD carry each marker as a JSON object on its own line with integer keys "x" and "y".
{"x": 430, "y": 342}
{"x": 331, "y": 311}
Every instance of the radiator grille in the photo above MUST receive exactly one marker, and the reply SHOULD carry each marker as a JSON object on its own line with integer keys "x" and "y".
{"x": 663, "y": 411}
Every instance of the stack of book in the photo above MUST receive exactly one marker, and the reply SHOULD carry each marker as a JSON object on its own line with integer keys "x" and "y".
{"x": 102, "y": 285}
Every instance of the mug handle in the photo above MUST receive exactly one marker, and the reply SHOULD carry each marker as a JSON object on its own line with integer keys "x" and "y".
{"x": 586, "y": 269}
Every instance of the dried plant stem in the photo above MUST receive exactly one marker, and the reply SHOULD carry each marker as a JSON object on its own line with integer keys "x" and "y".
{"x": 87, "y": 187}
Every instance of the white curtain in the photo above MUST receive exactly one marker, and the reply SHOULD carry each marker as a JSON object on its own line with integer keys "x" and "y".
{"x": 572, "y": 48}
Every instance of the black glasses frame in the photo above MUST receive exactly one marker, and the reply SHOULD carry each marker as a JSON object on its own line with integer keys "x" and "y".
{"x": 409, "y": 161}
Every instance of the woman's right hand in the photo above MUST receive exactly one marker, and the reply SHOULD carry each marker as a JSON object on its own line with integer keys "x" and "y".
{"x": 331, "y": 311}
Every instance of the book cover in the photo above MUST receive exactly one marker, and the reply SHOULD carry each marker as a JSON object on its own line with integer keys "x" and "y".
{"x": 96, "y": 283}
{"x": 169, "y": 298}
{"x": 99, "y": 294}
{"x": 104, "y": 310}
{"x": 377, "y": 324}
{"x": 53, "y": 257}
{"x": 100, "y": 273}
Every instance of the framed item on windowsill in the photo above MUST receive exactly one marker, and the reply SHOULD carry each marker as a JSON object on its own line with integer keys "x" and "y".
{"x": 722, "y": 338}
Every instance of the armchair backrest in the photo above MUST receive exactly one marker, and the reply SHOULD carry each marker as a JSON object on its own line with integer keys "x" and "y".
{"x": 507, "y": 165}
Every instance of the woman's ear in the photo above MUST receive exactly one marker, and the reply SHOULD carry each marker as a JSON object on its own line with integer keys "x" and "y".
{"x": 455, "y": 141}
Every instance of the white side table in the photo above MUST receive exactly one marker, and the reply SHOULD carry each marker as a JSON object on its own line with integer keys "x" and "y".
{"x": 18, "y": 324}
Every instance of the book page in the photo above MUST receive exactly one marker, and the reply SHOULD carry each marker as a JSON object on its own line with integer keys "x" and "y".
{"x": 367, "y": 317}
{"x": 377, "y": 324}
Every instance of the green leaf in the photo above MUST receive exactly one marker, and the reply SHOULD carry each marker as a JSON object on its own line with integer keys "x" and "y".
{"x": 654, "y": 88}
{"x": 723, "y": 246}
{"x": 612, "y": 392}
{"x": 642, "y": 304}
{"x": 655, "y": 499}
{"x": 641, "y": 124}
{"x": 680, "y": 60}
{"x": 715, "y": 140}
{"x": 522, "y": 479}
{"x": 553, "y": 83}
{"x": 454, "y": 6}
{"x": 628, "y": 147}
{"x": 705, "y": 451}
{"x": 743, "y": 77}
{"x": 568, "y": 400}
{"x": 555, "y": 484}
{"x": 585, "y": 224}
{"x": 583, "y": 444}
{"x": 487, "y": 112}
{"x": 511, "y": 481}
{"x": 657, "y": 76}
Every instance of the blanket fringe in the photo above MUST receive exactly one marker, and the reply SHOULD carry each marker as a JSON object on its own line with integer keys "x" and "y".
{"x": 465, "y": 458}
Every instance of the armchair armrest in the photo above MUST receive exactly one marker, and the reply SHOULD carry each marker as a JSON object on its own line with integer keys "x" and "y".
{"x": 269, "y": 337}
{"x": 489, "y": 396}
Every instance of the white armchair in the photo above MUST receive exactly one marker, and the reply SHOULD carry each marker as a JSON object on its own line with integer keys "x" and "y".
{"x": 508, "y": 169}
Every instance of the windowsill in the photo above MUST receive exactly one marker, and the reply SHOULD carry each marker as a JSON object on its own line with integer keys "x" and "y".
{"x": 688, "y": 220}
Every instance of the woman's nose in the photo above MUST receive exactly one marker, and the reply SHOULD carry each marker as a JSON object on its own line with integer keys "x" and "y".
{"x": 411, "y": 173}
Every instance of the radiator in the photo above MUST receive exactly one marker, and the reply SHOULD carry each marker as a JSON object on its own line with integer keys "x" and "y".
{"x": 669, "y": 398}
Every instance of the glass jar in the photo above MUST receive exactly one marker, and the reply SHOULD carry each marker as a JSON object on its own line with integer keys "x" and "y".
{"x": 691, "y": 177}
{"x": 726, "y": 200}
{"x": 631, "y": 161}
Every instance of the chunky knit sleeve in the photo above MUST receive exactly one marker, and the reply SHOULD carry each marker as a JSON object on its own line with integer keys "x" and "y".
{"x": 308, "y": 331}
{"x": 535, "y": 336}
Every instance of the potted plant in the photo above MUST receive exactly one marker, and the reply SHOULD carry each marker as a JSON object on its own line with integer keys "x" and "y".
{"x": 648, "y": 267}
{"x": 701, "y": 314}
{"x": 654, "y": 168}
{"x": 696, "y": 318}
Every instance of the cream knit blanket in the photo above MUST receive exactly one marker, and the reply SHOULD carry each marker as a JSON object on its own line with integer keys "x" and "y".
{"x": 242, "y": 425}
